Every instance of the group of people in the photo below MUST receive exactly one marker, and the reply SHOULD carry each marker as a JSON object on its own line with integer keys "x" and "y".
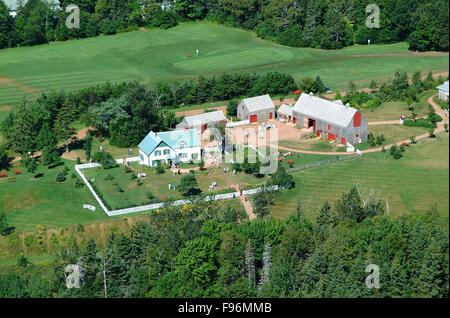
{"x": 172, "y": 187}
{"x": 446, "y": 113}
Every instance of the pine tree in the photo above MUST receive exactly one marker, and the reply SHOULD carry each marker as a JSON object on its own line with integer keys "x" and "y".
{"x": 417, "y": 244}
{"x": 431, "y": 273}
{"x": 24, "y": 130}
{"x": 249, "y": 265}
{"x": 267, "y": 264}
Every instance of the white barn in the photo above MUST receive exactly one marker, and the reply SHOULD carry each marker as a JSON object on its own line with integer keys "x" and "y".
{"x": 285, "y": 112}
{"x": 256, "y": 109}
{"x": 202, "y": 121}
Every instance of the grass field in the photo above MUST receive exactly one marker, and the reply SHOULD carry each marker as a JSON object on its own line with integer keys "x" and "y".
{"x": 393, "y": 110}
{"x": 412, "y": 184}
{"x": 154, "y": 55}
{"x": 158, "y": 184}
{"x": 29, "y": 201}
{"x": 392, "y": 133}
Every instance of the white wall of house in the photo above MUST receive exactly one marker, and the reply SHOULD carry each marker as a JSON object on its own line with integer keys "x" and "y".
{"x": 187, "y": 154}
{"x": 143, "y": 158}
{"x": 443, "y": 95}
{"x": 165, "y": 154}
{"x": 161, "y": 154}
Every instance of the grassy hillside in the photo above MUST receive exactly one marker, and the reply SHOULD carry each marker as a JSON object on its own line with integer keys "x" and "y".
{"x": 412, "y": 184}
{"x": 154, "y": 55}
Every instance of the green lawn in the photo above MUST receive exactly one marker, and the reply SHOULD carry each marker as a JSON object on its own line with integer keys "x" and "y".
{"x": 158, "y": 184}
{"x": 393, "y": 110}
{"x": 392, "y": 134}
{"x": 29, "y": 201}
{"x": 153, "y": 55}
{"x": 412, "y": 184}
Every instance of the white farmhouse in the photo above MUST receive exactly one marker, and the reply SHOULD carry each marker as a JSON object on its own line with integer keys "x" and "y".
{"x": 443, "y": 91}
{"x": 170, "y": 147}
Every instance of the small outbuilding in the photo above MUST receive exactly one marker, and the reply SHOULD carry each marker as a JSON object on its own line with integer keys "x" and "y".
{"x": 256, "y": 109}
{"x": 285, "y": 113}
{"x": 202, "y": 121}
{"x": 330, "y": 119}
{"x": 443, "y": 91}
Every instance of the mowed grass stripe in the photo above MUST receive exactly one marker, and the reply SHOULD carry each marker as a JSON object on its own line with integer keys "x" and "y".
{"x": 161, "y": 55}
{"x": 412, "y": 184}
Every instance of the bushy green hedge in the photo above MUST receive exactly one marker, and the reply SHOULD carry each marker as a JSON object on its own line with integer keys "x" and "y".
{"x": 422, "y": 122}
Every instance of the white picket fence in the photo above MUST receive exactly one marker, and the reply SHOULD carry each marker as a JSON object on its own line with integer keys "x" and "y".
{"x": 154, "y": 206}
{"x": 131, "y": 159}
{"x": 238, "y": 123}
{"x": 148, "y": 207}
{"x": 80, "y": 173}
{"x": 254, "y": 191}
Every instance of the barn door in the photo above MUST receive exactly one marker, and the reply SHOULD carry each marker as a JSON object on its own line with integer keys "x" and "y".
{"x": 342, "y": 140}
{"x": 270, "y": 115}
{"x": 253, "y": 118}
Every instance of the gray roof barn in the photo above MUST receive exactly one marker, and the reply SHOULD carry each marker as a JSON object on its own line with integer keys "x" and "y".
{"x": 255, "y": 104}
{"x": 285, "y": 110}
{"x": 207, "y": 118}
{"x": 332, "y": 112}
{"x": 256, "y": 109}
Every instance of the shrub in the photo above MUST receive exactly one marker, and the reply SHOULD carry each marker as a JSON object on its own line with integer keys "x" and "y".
{"x": 119, "y": 189}
{"x": 105, "y": 159}
{"x": 422, "y": 122}
{"x": 78, "y": 160}
{"x": 159, "y": 168}
{"x": 78, "y": 184}
{"x": 5, "y": 228}
{"x": 397, "y": 154}
{"x": 60, "y": 177}
{"x": 189, "y": 185}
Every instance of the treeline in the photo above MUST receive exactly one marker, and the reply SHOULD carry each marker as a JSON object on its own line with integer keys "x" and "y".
{"x": 202, "y": 250}
{"x": 125, "y": 112}
{"x": 325, "y": 24}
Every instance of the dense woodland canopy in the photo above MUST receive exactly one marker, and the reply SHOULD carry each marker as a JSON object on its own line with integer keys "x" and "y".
{"x": 326, "y": 24}
{"x": 203, "y": 251}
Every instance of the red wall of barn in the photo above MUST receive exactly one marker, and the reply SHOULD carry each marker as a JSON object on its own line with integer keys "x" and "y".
{"x": 357, "y": 119}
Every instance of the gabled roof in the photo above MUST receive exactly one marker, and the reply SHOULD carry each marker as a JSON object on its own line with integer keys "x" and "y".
{"x": 258, "y": 103}
{"x": 171, "y": 139}
{"x": 443, "y": 87}
{"x": 285, "y": 110}
{"x": 175, "y": 137}
{"x": 205, "y": 118}
{"x": 328, "y": 111}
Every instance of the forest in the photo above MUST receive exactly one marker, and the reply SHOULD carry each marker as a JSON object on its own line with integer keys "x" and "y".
{"x": 200, "y": 250}
{"x": 325, "y": 24}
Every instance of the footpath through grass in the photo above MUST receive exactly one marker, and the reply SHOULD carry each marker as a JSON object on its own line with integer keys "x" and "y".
{"x": 412, "y": 184}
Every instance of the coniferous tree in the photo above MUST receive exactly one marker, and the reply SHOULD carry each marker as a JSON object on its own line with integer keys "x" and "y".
{"x": 249, "y": 265}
